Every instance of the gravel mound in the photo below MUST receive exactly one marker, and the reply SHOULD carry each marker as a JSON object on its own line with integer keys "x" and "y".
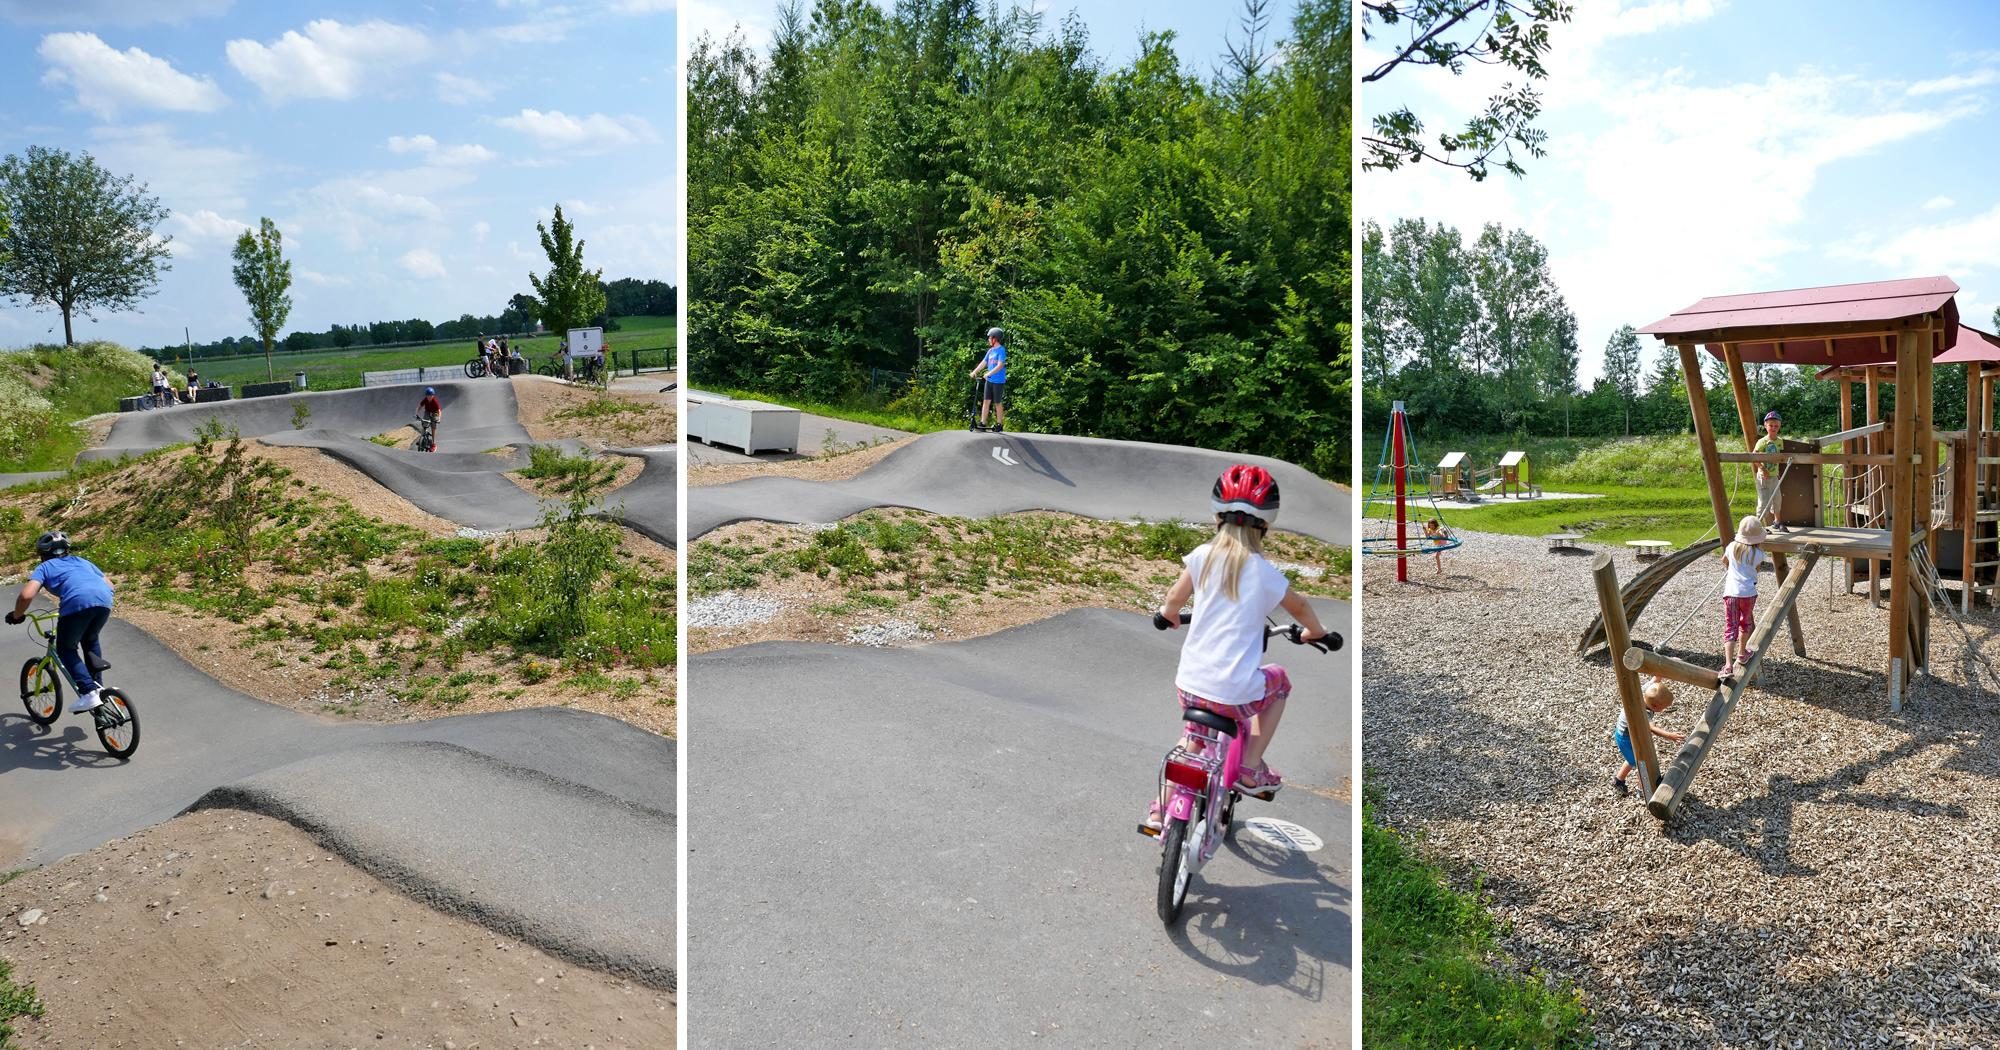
{"x": 730, "y": 609}
{"x": 1831, "y": 879}
{"x": 887, "y": 633}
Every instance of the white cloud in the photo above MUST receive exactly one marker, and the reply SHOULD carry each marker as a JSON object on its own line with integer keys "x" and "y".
{"x": 595, "y": 133}
{"x": 185, "y": 175}
{"x": 718, "y": 20}
{"x": 433, "y": 153}
{"x": 480, "y": 229}
{"x": 459, "y": 91}
{"x": 206, "y": 225}
{"x": 324, "y": 280}
{"x": 1956, "y": 248}
{"x": 328, "y": 60}
{"x": 384, "y": 204}
{"x": 643, "y": 7}
{"x": 1953, "y": 84}
{"x": 422, "y": 262}
{"x": 109, "y": 12}
{"x": 107, "y": 80}
{"x": 1939, "y": 203}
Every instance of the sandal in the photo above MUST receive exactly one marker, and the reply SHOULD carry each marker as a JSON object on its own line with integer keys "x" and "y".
{"x": 1155, "y": 822}
{"x": 1259, "y": 783}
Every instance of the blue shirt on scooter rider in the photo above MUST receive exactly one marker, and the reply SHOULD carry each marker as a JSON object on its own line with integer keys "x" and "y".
{"x": 996, "y": 363}
{"x": 75, "y": 582}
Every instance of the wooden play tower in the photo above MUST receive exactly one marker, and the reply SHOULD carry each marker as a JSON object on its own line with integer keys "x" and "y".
{"x": 1852, "y": 329}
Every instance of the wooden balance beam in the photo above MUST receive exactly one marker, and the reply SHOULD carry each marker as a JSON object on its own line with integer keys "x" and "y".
{"x": 1674, "y": 782}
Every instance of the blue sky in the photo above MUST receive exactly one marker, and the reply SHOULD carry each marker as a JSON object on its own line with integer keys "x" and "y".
{"x": 1115, "y": 25}
{"x": 405, "y": 150}
{"x": 1703, "y": 147}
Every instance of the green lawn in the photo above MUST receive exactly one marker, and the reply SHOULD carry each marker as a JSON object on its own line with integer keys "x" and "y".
{"x": 854, "y": 413}
{"x": 1434, "y": 976}
{"x": 340, "y": 369}
{"x": 1678, "y": 515}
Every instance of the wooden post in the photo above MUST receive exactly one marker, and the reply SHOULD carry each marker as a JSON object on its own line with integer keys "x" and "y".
{"x": 1666, "y": 798}
{"x": 1875, "y": 443}
{"x": 1617, "y": 639}
{"x": 1646, "y": 661}
{"x": 1849, "y": 491}
{"x": 1704, "y": 433}
{"x": 1926, "y": 435}
{"x": 1967, "y": 475}
{"x": 1902, "y": 500}
{"x": 1746, "y": 413}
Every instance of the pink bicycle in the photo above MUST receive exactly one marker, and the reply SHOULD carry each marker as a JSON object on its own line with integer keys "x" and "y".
{"x": 1201, "y": 809}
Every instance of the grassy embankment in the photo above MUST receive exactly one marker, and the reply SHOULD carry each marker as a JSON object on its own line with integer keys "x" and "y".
{"x": 889, "y": 559}
{"x": 216, "y": 531}
{"x": 341, "y": 369}
{"x": 43, "y": 392}
{"x": 1647, "y": 488}
{"x": 1436, "y": 978}
{"x": 857, "y": 410}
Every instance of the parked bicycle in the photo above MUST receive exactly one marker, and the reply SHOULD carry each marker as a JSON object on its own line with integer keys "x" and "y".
{"x": 476, "y": 368}
{"x": 1201, "y": 809}
{"x": 42, "y": 680}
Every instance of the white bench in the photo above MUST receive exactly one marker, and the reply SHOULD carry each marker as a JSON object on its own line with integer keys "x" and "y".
{"x": 1563, "y": 541}
{"x": 1647, "y": 550}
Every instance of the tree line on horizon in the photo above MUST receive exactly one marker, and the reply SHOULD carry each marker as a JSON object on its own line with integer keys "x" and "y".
{"x": 1475, "y": 337}
{"x": 1167, "y": 251}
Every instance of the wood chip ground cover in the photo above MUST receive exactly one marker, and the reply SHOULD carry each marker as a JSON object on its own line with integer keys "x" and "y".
{"x": 1831, "y": 880}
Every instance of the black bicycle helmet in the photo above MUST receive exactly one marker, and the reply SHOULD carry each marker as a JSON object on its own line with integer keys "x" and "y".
{"x": 997, "y": 333}
{"x": 52, "y": 545}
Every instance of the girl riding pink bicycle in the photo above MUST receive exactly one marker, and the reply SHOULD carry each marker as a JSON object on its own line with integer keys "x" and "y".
{"x": 1234, "y": 589}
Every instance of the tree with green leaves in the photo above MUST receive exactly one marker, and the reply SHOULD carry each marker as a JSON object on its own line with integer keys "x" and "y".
{"x": 1621, "y": 369}
{"x": 265, "y": 277}
{"x": 1450, "y": 35}
{"x": 570, "y": 295}
{"x": 79, "y": 238}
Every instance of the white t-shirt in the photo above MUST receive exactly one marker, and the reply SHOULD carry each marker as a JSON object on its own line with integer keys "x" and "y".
{"x": 1221, "y": 658}
{"x": 1741, "y": 574}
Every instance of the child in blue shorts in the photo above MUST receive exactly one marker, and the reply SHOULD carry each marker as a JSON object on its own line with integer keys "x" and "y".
{"x": 1658, "y": 696}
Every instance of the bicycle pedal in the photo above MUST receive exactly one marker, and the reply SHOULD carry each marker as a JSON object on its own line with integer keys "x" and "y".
{"x": 1149, "y": 832}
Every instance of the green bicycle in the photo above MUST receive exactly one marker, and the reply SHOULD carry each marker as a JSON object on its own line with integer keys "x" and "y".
{"x": 42, "y": 681}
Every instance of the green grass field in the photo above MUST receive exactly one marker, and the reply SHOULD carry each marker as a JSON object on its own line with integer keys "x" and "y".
{"x": 340, "y": 369}
{"x": 853, "y": 413}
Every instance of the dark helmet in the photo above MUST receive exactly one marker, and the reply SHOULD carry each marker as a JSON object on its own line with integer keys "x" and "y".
{"x": 52, "y": 545}
{"x": 1246, "y": 494}
{"x": 997, "y": 333}
{"x": 430, "y": 391}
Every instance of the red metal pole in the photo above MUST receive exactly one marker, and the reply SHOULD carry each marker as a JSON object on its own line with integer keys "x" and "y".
{"x": 1396, "y": 425}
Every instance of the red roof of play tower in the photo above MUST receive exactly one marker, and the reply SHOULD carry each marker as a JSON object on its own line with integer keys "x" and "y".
{"x": 1840, "y": 324}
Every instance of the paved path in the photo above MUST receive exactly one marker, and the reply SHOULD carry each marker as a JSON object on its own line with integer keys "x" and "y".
{"x": 553, "y": 825}
{"x": 977, "y": 475}
{"x": 935, "y": 847}
{"x": 464, "y": 481}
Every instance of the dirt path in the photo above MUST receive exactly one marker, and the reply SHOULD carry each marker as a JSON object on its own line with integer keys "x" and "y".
{"x": 224, "y": 929}
{"x": 1830, "y": 879}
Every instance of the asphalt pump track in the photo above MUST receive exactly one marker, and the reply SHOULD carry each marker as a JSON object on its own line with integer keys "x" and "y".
{"x": 465, "y": 481}
{"x": 979, "y": 475}
{"x": 551, "y": 825}
{"x": 935, "y": 846}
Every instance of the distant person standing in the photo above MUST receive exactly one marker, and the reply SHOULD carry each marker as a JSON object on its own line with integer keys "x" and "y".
{"x": 1768, "y": 474}
{"x": 162, "y": 389}
{"x": 994, "y": 369}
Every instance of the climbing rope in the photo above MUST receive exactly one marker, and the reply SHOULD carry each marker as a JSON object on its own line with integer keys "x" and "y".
{"x": 1940, "y": 601}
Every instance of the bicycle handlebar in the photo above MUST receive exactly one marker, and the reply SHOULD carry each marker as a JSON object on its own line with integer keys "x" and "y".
{"x": 1329, "y": 642}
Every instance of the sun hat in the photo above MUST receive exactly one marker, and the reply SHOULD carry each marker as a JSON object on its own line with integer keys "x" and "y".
{"x": 1750, "y": 530}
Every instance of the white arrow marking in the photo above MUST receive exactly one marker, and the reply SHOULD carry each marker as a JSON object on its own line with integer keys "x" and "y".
{"x": 1000, "y": 453}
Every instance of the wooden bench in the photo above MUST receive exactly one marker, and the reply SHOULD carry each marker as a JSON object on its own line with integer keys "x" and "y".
{"x": 1563, "y": 541}
{"x": 1646, "y": 550}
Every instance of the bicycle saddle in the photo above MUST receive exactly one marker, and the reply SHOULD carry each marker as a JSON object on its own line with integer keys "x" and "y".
{"x": 96, "y": 663}
{"x": 1210, "y": 719}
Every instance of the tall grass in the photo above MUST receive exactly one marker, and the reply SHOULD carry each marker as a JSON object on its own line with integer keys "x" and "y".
{"x": 44, "y": 389}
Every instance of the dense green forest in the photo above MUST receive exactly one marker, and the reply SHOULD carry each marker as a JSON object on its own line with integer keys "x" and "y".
{"x": 625, "y": 297}
{"x": 1167, "y": 249}
{"x": 1475, "y": 338}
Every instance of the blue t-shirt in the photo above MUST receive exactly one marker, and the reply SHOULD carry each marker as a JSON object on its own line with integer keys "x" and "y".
{"x": 996, "y": 361}
{"x": 75, "y": 581}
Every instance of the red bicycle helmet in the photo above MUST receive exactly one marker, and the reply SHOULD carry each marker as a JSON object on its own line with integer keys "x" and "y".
{"x": 1246, "y": 494}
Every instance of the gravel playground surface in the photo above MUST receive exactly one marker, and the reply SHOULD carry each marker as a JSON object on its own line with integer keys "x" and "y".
{"x": 1830, "y": 881}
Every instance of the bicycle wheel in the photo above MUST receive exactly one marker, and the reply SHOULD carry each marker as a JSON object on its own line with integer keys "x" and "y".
{"x": 117, "y": 723}
{"x": 1174, "y": 872}
{"x": 475, "y": 368}
{"x": 41, "y": 691}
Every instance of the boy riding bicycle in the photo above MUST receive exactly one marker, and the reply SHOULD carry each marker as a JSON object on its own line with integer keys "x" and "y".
{"x": 84, "y": 598}
{"x": 431, "y": 412}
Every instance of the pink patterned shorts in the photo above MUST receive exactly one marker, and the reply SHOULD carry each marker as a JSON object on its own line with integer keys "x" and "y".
{"x": 1277, "y": 686}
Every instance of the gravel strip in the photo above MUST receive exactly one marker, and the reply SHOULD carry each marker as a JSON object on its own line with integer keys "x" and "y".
{"x": 1833, "y": 880}
{"x": 887, "y": 633}
{"x": 730, "y": 609}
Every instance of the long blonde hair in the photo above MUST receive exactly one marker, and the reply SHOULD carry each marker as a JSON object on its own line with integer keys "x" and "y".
{"x": 1732, "y": 553}
{"x": 1233, "y": 547}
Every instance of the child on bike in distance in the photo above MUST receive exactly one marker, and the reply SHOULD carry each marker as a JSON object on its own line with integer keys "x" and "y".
{"x": 429, "y": 409}
{"x": 84, "y": 597}
{"x": 1234, "y": 588}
